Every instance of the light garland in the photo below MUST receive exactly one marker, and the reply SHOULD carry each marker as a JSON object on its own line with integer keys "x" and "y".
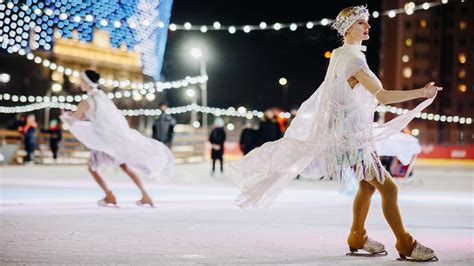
{"x": 137, "y": 95}
{"x": 242, "y": 112}
{"x": 36, "y": 106}
{"x": 154, "y": 86}
{"x": 231, "y": 111}
{"x": 408, "y": 9}
{"x": 6, "y": 41}
{"x": 63, "y": 16}
{"x": 42, "y": 99}
{"x": 425, "y": 116}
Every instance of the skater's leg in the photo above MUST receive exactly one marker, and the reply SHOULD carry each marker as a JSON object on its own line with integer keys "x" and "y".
{"x": 213, "y": 165}
{"x": 360, "y": 209}
{"x": 99, "y": 180}
{"x": 145, "y": 197}
{"x": 222, "y": 164}
{"x": 389, "y": 194}
{"x": 109, "y": 197}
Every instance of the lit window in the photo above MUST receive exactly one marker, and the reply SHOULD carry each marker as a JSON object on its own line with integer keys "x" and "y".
{"x": 423, "y": 23}
{"x": 462, "y": 25}
{"x": 408, "y": 42}
{"x": 327, "y": 54}
{"x": 407, "y": 72}
{"x": 462, "y": 58}
{"x": 405, "y": 58}
{"x": 462, "y": 74}
{"x": 462, "y": 87}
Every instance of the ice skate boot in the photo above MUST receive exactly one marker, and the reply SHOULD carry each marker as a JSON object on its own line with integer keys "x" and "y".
{"x": 146, "y": 201}
{"x": 419, "y": 254}
{"x": 373, "y": 248}
{"x": 108, "y": 201}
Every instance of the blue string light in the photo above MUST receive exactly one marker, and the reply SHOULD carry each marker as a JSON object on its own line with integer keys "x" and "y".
{"x": 136, "y": 24}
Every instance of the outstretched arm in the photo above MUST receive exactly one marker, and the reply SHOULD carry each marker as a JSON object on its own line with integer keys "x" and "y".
{"x": 397, "y": 96}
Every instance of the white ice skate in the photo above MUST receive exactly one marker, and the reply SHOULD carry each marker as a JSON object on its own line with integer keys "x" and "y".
{"x": 141, "y": 204}
{"x": 108, "y": 201}
{"x": 420, "y": 254}
{"x": 374, "y": 249}
{"x": 103, "y": 203}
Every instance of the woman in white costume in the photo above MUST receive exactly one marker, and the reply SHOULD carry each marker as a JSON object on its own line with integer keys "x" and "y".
{"x": 100, "y": 126}
{"x": 334, "y": 131}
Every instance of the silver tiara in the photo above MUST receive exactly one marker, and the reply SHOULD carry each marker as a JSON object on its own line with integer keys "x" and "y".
{"x": 343, "y": 23}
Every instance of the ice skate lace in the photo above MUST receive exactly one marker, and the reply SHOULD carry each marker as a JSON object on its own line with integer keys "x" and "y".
{"x": 373, "y": 246}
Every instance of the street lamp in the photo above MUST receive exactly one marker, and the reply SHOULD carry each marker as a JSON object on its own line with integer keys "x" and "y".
{"x": 55, "y": 87}
{"x": 197, "y": 54}
{"x": 4, "y": 78}
{"x": 284, "y": 84}
{"x": 191, "y": 93}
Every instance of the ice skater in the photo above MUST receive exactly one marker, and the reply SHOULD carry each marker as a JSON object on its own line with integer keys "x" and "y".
{"x": 333, "y": 135}
{"x": 100, "y": 126}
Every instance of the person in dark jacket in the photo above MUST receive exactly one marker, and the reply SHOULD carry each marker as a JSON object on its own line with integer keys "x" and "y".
{"x": 163, "y": 126}
{"x": 55, "y": 136}
{"x": 248, "y": 138}
{"x": 269, "y": 129}
{"x": 217, "y": 139}
{"x": 29, "y": 134}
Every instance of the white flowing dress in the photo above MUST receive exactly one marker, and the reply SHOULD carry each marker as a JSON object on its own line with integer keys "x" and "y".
{"x": 108, "y": 135}
{"x": 333, "y": 134}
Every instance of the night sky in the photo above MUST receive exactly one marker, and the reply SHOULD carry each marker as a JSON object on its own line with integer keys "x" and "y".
{"x": 244, "y": 68}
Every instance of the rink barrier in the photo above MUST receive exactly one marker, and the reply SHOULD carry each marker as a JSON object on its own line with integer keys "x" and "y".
{"x": 186, "y": 148}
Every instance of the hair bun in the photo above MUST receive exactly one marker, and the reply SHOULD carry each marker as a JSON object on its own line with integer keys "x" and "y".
{"x": 92, "y": 75}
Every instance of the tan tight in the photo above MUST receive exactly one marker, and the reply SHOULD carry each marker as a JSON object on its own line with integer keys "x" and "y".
{"x": 109, "y": 197}
{"x": 388, "y": 191}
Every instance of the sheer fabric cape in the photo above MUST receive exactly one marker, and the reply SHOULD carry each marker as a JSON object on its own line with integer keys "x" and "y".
{"x": 108, "y": 131}
{"x": 401, "y": 145}
{"x": 331, "y": 135}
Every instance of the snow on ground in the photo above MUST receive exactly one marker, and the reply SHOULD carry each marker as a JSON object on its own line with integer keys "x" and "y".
{"x": 49, "y": 216}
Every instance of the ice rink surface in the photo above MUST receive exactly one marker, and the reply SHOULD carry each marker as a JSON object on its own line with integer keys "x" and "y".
{"x": 49, "y": 216}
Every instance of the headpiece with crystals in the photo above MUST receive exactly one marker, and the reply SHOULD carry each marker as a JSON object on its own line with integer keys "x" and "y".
{"x": 343, "y": 23}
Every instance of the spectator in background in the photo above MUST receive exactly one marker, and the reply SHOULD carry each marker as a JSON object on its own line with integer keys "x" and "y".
{"x": 248, "y": 138}
{"x": 55, "y": 136}
{"x": 217, "y": 140}
{"x": 17, "y": 122}
{"x": 293, "y": 113}
{"x": 29, "y": 137}
{"x": 269, "y": 129}
{"x": 163, "y": 126}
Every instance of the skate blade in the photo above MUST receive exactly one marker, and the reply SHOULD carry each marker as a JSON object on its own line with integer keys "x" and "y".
{"x": 380, "y": 254}
{"x": 434, "y": 259}
{"x": 144, "y": 205}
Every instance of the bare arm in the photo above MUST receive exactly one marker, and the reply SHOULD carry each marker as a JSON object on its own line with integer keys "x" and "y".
{"x": 81, "y": 109}
{"x": 395, "y": 96}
